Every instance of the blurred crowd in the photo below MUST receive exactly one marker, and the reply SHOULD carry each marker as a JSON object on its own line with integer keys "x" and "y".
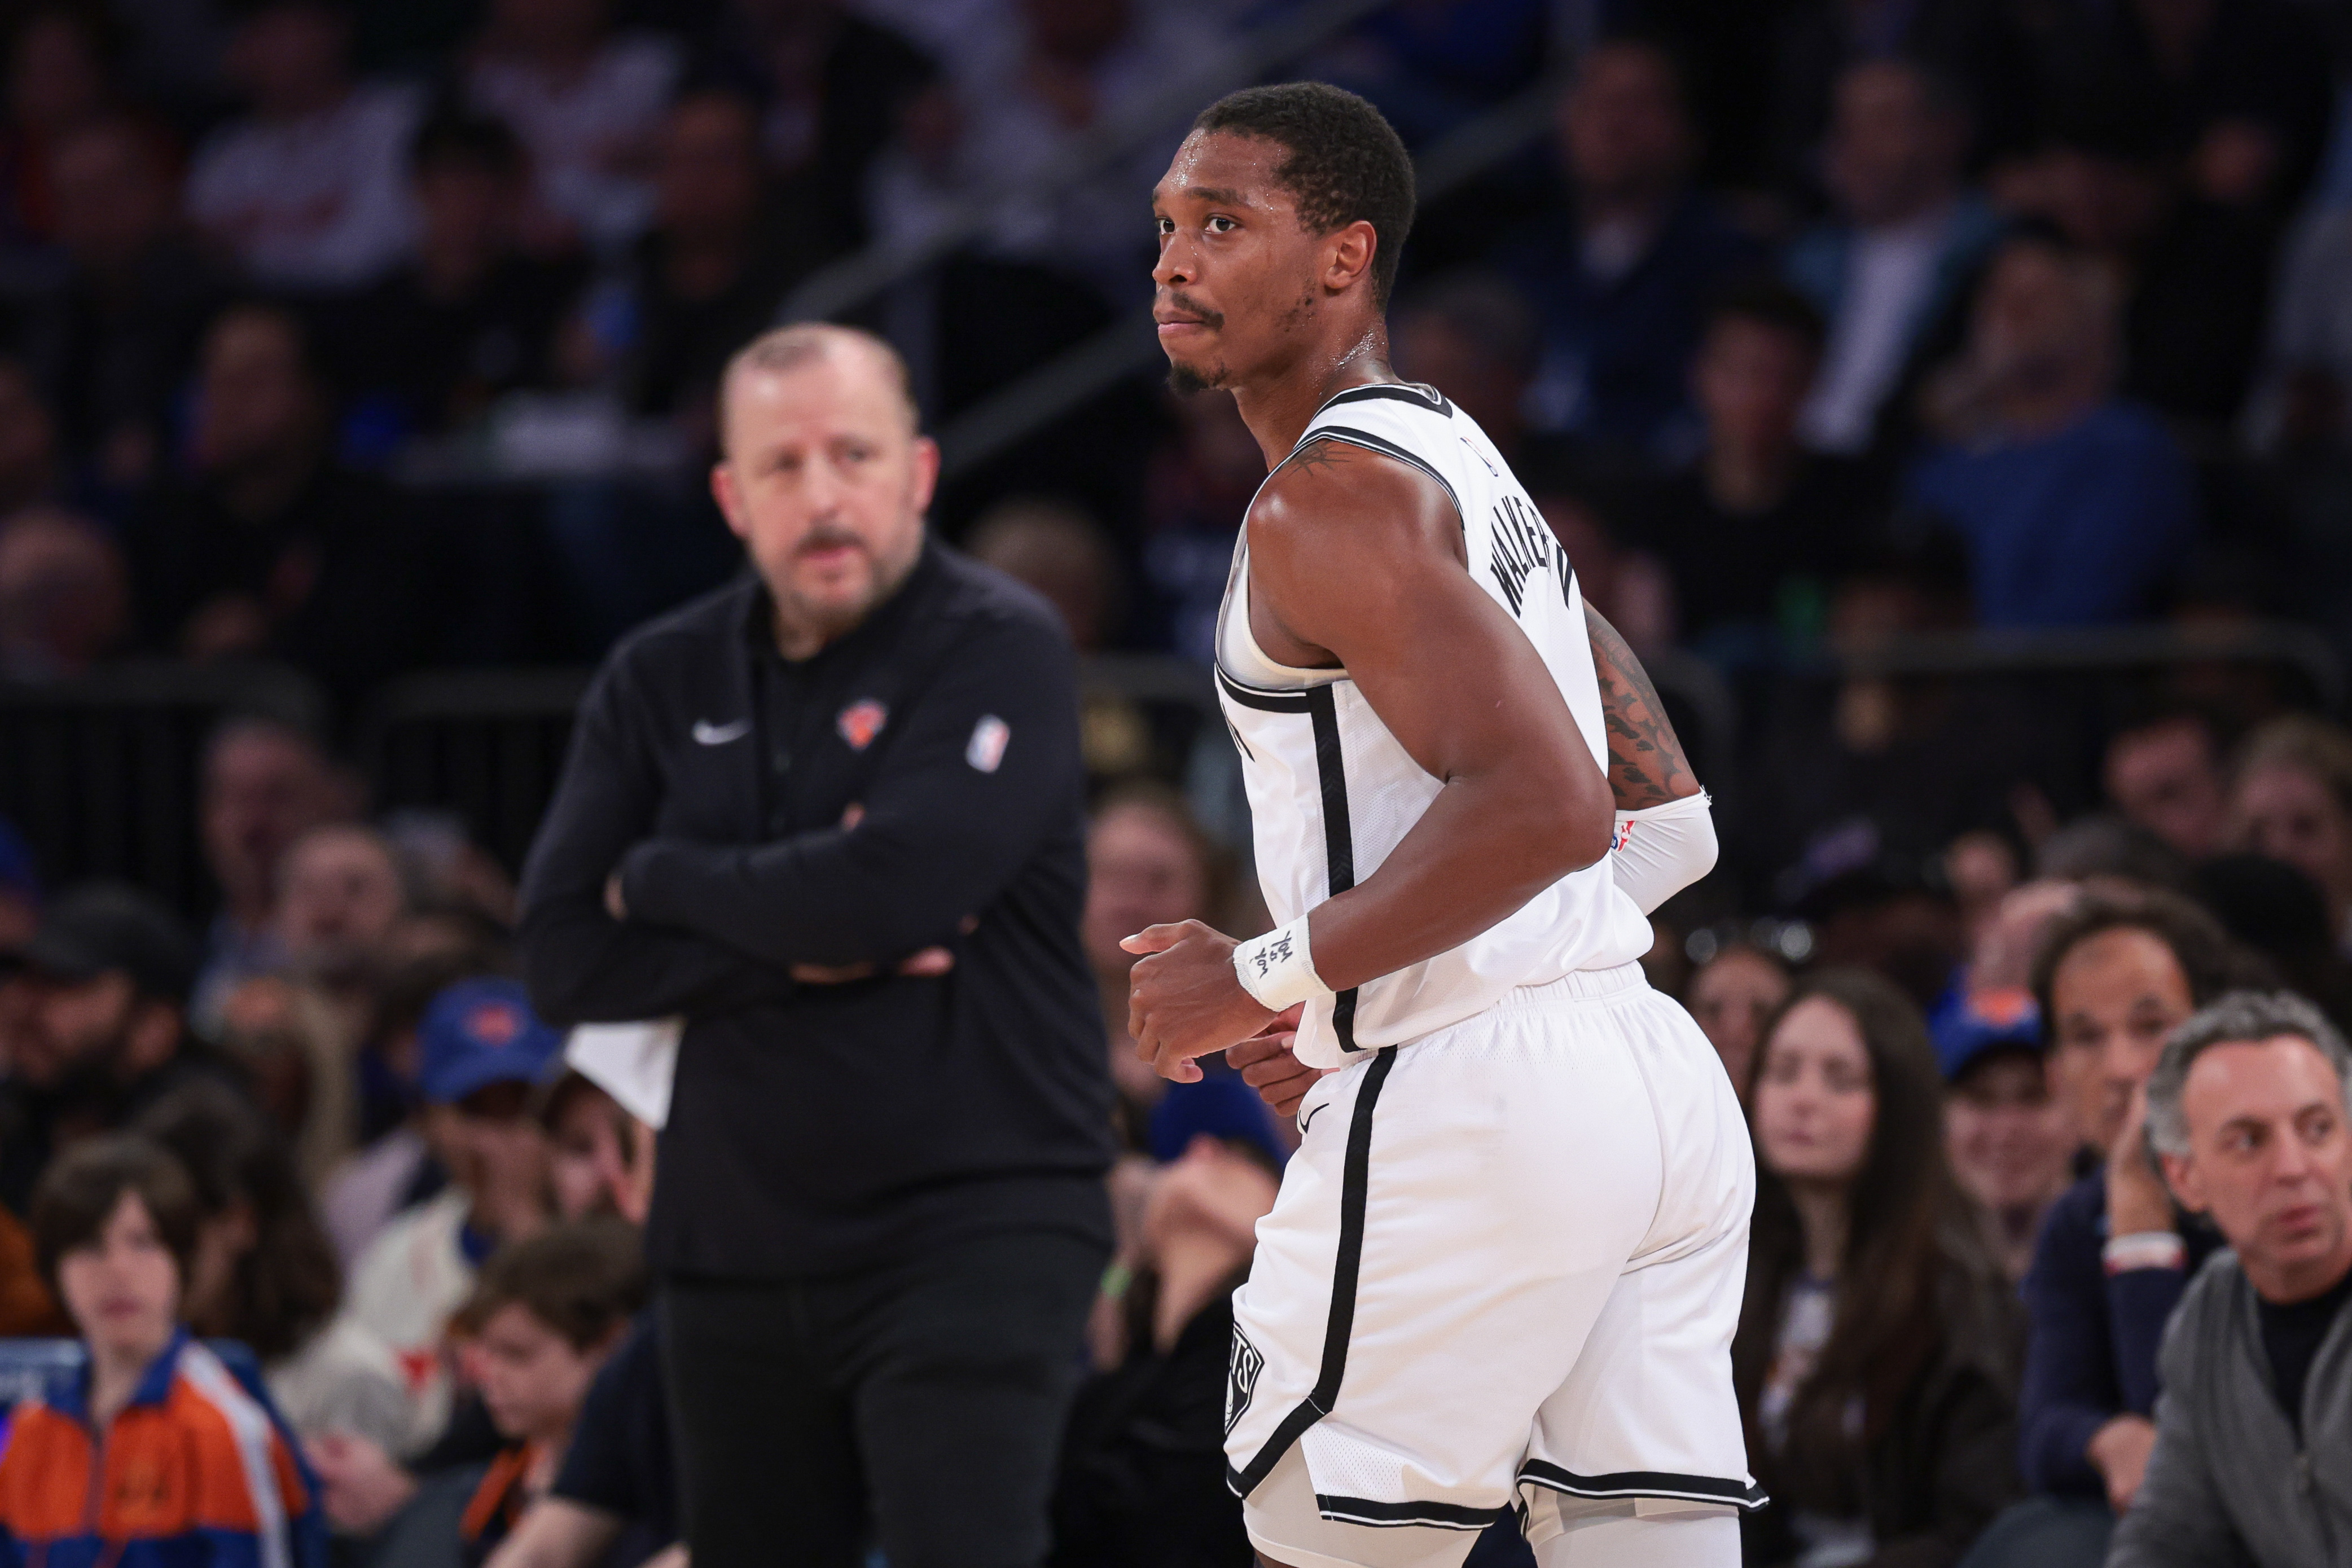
{"x": 375, "y": 337}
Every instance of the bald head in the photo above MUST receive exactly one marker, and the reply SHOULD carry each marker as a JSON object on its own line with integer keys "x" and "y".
{"x": 804, "y": 345}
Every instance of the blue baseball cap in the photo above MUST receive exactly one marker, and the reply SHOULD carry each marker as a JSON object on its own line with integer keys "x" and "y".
{"x": 1967, "y": 1027}
{"x": 479, "y": 1032}
{"x": 1221, "y": 1106}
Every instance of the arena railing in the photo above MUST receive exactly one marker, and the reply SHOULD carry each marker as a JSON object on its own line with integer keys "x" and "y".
{"x": 99, "y": 771}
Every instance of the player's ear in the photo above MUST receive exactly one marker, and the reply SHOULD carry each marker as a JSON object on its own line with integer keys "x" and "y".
{"x": 1347, "y": 255}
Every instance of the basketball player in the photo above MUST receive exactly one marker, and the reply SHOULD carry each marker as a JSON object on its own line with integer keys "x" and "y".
{"x": 1505, "y": 1263}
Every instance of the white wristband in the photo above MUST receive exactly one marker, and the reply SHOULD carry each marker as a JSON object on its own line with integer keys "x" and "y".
{"x": 1277, "y": 969}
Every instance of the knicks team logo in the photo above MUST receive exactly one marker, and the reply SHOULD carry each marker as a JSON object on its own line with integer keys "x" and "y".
{"x": 1240, "y": 1378}
{"x": 861, "y": 721}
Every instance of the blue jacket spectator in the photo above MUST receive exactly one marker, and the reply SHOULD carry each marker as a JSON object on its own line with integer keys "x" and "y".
{"x": 1902, "y": 251}
{"x": 2073, "y": 505}
{"x": 2112, "y": 978}
{"x": 1622, "y": 276}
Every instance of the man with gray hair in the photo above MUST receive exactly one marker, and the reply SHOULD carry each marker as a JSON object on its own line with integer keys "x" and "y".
{"x": 2253, "y": 1464}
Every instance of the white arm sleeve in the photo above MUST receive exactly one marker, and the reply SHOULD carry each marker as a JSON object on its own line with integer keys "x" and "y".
{"x": 1662, "y": 849}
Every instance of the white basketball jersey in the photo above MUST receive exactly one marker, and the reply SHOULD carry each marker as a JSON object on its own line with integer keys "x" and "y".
{"x": 1331, "y": 792}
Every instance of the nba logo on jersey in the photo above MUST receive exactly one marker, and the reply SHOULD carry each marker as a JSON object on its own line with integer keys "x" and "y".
{"x": 1240, "y": 1378}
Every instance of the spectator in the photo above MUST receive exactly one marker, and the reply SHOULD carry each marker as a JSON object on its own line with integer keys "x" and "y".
{"x": 31, "y": 467}
{"x": 114, "y": 344}
{"x": 471, "y": 316}
{"x": 1755, "y": 531}
{"x": 2163, "y": 772}
{"x": 107, "y": 1032}
{"x": 1731, "y": 997}
{"x": 1143, "y": 1470}
{"x": 65, "y": 598}
{"x": 1900, "y": 254}
{"x": 1199, "y": 486}
{"x": 60, "y": 76}
{"x": 587, "y": 103}
{"x": 2280, "y": 913}
{"x": 264, "y": 784}
{"x": 541, "y": 1320}
{"x": 2010, "y": 1140}
{"x": 482, "y": 1049}
{"x": 1061, "y": 552}
{"x": 715, "y": 264}
{"x": 1148, "y": 864}
{"x": 272, "y": 549}
{"x": 308, "y": 190}
{"x": 398, "y": 1167}
{"x": 298, "y": 1033}
{"x": 1622, "y": 273}
{"x": 20, "y": 910}
{"x": 2073, "y": 505}
{"x": 2291, "y": 800}
{"x": 2248, "y": 1109}
{"x": 1473, "y": 336}
{"x": 262, "y": 1272}
{"x": 600, "y": 1158}
{"x": 1982, "y": 52}
{"x": 1876, "y": 1352}
{"x": 152, "y": 1415}
{"x": 2113, "y": 977}
{"x": 831, "y": 84}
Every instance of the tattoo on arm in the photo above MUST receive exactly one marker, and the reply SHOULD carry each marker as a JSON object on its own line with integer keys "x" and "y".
{"x": 1647, "y": 766}
{"x": 1320, "y": 453}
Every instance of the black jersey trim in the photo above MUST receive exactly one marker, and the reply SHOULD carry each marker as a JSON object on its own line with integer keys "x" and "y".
{"x": 1389, "y": 1515}
{"x": 1338, "y": 833}
{"x": 1355, "y": 1182}
{"x": 1351, "y": 436}
{"x": 1268, "y": 701}
{"x": 1643, "y": 1483}
{"x": 1418, "y": 393}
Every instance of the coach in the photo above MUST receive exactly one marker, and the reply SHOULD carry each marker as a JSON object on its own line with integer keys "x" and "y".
{"x": 832, "y": 816}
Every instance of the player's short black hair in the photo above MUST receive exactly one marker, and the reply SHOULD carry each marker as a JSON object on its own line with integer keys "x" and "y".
{"x": 1346, "y": 162}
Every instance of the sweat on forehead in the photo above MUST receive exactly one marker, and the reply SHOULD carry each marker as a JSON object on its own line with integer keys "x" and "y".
{"x": 787, "y": 348}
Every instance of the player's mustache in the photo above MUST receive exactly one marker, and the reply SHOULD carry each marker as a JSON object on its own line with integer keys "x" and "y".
{"x": 1212, "y": 320}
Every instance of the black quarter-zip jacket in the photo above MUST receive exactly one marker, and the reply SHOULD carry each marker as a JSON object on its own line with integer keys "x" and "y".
{"x": 820, "y": 1128}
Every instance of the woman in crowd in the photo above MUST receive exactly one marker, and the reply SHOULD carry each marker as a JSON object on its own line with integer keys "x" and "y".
{"x": 1876, "y": 1352}
{"x": 2291, "y": 800}
{"x": 1731, "y": 996}
{"x": 264, "y": 1273}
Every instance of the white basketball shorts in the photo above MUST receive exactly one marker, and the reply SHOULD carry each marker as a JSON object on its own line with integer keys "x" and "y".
{"x": 1503, "y": 1273}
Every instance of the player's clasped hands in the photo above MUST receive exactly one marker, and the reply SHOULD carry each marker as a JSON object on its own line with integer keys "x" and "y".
{"x": 1184, "y": 1001}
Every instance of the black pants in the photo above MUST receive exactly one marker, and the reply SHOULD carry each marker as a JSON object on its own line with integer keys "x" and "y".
{"x": 920, "y": 1405}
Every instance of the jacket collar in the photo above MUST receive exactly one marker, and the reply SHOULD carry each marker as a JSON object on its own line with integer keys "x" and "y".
{"x": 71, "y": 1396}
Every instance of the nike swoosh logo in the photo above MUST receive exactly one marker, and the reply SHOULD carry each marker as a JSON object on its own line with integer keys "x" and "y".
{"x": 710, "y": 734}
{"x": 1311, "y": 1117}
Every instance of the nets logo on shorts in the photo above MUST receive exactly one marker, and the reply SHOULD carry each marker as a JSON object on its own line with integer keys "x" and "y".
{"x": 1240, "y": 1378}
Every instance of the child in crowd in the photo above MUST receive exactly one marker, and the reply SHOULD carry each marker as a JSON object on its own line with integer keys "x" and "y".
{"x": 159, "y": 1451}
{"x": 543, "y": 1317}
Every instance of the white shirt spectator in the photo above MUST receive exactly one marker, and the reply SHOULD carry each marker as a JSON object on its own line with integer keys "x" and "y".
{"x": 1893, "y": 273}
{"x": 408, "y": 1282}
{"x": 320, "y": 202}
{"x": 589, "y": 135}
